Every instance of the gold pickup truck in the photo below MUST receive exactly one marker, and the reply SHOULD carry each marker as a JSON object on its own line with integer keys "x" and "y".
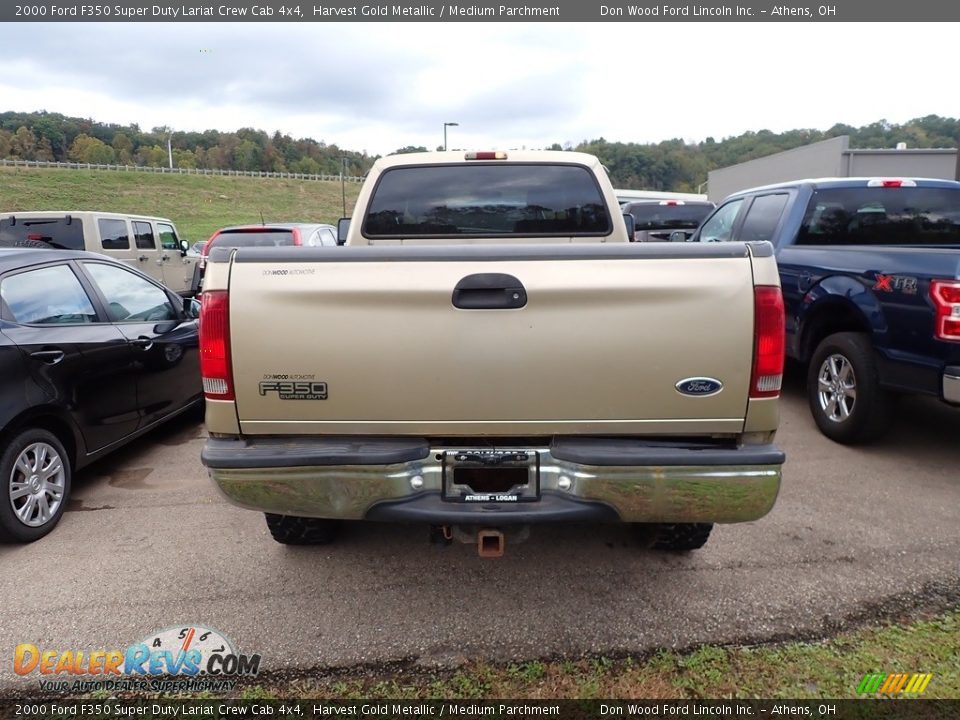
{"x": 488, "y": 351}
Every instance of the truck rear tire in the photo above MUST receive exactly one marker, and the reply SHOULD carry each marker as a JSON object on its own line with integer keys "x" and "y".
{"x": 843, "y": 389}
{"x": 290, "y": 530}
{"x": 682, "y": 537}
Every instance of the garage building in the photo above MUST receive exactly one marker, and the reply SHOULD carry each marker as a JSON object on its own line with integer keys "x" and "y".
{"x": 833, "y": 158}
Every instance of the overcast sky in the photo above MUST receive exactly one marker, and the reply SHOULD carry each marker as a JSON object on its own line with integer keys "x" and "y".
{"x": 381, "y": 86}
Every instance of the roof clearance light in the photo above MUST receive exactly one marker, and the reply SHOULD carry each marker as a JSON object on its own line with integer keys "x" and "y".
{"x": 498, "y": 155}
{"x": 890, "y": 183}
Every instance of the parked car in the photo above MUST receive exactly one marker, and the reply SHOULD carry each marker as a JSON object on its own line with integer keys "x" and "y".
{"x": 869, "y": 269}
{"x": 92, "y": 354}
{"x": 270, "y": 235}
{"x": 150, "y": 244}
{"x": 666, "y": 220}
{"x": 197, "y": 248}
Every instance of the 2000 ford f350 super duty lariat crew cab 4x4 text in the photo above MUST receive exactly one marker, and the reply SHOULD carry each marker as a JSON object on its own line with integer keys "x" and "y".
{"x": 488, "y": 351}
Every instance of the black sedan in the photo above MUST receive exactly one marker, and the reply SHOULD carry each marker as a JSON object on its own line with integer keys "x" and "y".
{"x": 92, "y": 355}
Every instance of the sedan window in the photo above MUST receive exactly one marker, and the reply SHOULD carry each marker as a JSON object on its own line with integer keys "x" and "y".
{"x": 130, "y": 298}
{"x": 50, "y": 295}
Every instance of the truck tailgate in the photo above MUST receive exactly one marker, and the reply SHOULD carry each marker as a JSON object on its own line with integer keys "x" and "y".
{"x": 368, "y": 340}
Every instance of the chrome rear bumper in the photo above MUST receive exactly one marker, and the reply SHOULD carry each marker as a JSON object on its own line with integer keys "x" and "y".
{"x": 328, "y": 479}
{"x": 951, "y": 385}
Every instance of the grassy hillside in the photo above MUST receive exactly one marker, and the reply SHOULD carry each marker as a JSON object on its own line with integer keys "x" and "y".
{"x": 197, "y": 204}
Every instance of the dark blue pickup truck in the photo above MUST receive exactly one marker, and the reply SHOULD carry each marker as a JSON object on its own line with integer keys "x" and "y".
{"x": 870, "y": 269}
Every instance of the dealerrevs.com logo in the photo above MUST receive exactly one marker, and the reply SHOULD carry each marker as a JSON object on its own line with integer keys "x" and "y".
{"x": 179, "y": 658}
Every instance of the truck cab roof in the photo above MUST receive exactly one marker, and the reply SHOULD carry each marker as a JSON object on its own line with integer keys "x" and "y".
{"x": 848, "y": 182}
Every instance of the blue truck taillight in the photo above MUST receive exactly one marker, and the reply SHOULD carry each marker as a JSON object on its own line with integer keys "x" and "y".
{"x": 946, "y": 302}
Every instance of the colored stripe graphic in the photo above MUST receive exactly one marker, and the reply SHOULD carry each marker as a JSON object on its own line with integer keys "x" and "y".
{"x": 894, "y": 683}
{"x": 887, "y": 687}
{"x": 870, "y": 683}
{"x": 922, "y": 685}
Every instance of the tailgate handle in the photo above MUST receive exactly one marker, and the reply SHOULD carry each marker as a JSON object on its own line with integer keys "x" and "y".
{"x": 489, "y": 291}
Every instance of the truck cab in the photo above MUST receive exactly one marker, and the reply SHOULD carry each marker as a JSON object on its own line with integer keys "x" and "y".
{"x": 870, "y": 271}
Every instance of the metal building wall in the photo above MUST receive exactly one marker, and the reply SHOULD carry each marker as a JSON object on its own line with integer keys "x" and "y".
{"x": 936, "y": 163}
{"x": 833, "y": 158}
{"x": 821, "y": 159}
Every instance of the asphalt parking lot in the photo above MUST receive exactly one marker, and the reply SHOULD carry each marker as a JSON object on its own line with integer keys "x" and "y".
{"x": 148, "y": 543}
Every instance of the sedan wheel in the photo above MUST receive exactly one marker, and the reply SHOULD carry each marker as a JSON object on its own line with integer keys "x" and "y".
{"x": 35, "y": 471}
{"x": 37, "y": 484}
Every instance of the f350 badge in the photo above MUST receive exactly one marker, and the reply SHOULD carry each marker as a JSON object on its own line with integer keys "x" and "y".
{"x": 699, "y": 386}
{"x": 295, "y": 389}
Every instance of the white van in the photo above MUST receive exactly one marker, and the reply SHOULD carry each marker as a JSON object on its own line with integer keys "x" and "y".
{"x": 150, "y": 244}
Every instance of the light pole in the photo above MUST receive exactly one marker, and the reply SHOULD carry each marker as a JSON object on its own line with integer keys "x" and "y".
{"x": 343, "y": 187}
{"x": 169, "y": 148}
{"x": 445, "y": 126}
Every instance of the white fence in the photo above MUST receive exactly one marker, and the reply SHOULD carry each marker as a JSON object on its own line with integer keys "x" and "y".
{"x": 174, "y": 171}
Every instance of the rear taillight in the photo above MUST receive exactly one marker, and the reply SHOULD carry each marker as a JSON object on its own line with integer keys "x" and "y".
{"x": 215, "y": 345}
{"x": 946, "y": 301}
{"x": 768, "y": 342}
{"x": 296, "y": 237}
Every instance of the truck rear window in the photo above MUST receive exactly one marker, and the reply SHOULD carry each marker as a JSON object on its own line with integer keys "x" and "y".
{"x": 882, "y": 216}
{"x": 507, "y": 199}
{"x": 65, "y": 232}
{"x": 649, "y": 216}
{"x": 258, "y": 238}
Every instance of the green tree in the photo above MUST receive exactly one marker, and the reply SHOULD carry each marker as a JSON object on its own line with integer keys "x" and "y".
{"x": 24, "y": 144}
{"x": 184, "y": 158}
{"x": 306, "y": 165}
{"x": 44, "y": 150}
{"x": 86, "y": 149}
{"x": 247, "y": 156}
{"x": 152, "y": 156}
{"x": 49, "y": 128}
{"x": 123, "y": 147}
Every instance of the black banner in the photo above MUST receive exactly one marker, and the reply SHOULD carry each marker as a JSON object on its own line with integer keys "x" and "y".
{"x": 521, "y": 11}
{"x": 907, "y": 709}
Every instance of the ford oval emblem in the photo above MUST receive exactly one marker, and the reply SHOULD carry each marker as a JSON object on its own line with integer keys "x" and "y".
{"x": 699, "y": 386}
